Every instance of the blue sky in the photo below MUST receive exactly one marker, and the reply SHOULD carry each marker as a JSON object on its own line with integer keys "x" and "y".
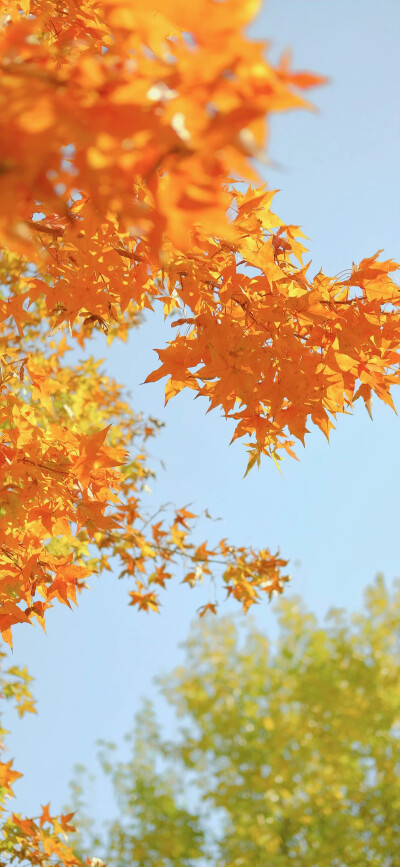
{"x": 335, "y": 512}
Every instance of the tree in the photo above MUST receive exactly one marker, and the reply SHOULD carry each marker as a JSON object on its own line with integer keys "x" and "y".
{"x": 126, "y": 134}
{"x": 98, "y": 227}
{"x": 284, "y": 752}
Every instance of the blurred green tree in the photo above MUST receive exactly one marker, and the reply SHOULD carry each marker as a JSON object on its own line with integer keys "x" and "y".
{"x": 284, "y": 754}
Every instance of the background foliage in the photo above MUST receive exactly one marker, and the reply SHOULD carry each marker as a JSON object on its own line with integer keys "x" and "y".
{"x": 284, "y": 753}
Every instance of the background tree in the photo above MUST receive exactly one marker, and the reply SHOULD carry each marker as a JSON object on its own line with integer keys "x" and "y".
{"x": 284, "y": 753}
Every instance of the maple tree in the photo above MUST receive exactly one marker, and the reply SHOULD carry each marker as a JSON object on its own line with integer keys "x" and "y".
{"x": 125, "y": 134}
{"x": 282, "y": 752}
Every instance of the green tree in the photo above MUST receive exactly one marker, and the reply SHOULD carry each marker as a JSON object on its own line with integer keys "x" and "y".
{"x": 285, "y": 753}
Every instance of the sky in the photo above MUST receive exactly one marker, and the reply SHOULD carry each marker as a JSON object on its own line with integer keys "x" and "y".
{"x": 335, "y": 512}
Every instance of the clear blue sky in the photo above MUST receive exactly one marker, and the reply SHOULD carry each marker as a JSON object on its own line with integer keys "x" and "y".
{"x": 335, "y": 514}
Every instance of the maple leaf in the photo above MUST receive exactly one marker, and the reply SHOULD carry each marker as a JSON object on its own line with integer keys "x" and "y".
{"x": 209, "y": 607}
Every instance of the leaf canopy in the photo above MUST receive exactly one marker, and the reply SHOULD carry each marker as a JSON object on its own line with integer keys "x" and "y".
{"x": 283, "y": 752}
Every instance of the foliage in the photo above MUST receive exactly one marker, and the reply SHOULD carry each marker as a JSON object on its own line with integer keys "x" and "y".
{"x": 28, "y": 841}
{"x": 139, "y": 216}
{"x": 123, "y": 132}
{"x": 284, "y": 752}
{"x": 67, "y": 510}
{"x": 125, "y": 136}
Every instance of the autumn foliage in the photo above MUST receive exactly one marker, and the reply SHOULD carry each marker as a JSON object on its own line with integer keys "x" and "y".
{"x": 126, "y": 133}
